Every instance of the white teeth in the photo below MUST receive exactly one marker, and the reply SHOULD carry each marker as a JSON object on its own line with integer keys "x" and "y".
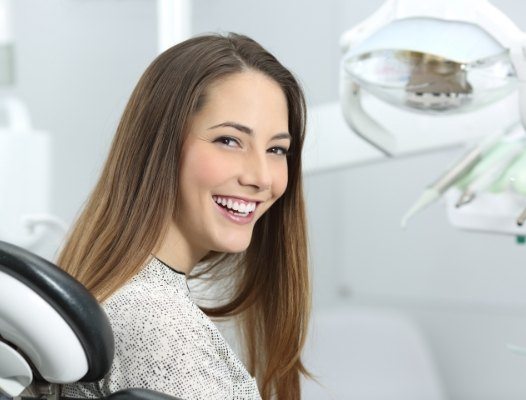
{"x": 242, "y": 208}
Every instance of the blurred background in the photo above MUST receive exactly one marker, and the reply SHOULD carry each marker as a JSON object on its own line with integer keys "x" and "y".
{"x": 421, "y": 313}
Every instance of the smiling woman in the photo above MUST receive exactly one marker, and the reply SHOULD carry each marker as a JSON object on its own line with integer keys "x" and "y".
{"x": 243, "y": 163}
{"x": 204, "y": 170}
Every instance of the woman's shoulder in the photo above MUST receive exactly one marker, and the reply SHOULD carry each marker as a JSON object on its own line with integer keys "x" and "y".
{"x": 154, "y": 291}
{"x": 154, "y": 278}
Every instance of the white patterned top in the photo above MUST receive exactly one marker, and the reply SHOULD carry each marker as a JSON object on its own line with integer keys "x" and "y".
{"x": 164, "y": 342}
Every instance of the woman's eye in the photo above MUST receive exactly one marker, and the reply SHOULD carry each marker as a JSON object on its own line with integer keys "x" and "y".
{"x": 280, "y": 151}
{"x": 227, "y": 141}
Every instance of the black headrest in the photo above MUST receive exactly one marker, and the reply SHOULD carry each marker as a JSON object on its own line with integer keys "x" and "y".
{"x": 70, "y": 299}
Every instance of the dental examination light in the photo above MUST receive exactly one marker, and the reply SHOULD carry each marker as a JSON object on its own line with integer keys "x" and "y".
{"x": 433, "y": 57}
{"x": 437, "y": 58}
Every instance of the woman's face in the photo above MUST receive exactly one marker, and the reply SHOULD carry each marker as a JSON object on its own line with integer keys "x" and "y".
{"x": 234, "y": 164}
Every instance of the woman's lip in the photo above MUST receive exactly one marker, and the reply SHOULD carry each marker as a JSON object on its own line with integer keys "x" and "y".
{"x": 237, "y": 219}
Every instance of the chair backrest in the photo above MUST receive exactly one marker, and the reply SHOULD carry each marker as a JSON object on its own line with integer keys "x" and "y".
{"x": 360, "y": 352}
{"x": 49, "y": 323}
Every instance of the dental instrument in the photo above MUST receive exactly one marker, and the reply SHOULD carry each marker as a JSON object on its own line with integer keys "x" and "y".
{"x": 493, "y": 171}
{"x": 515, "y": 180}
{"x": 498, "y": 209}
{"x": 522, "y": 218}
{"x": 453, "y": 174}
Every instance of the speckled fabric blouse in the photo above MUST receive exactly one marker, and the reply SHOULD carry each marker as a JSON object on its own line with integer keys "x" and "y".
{"x": 164, "y": 342}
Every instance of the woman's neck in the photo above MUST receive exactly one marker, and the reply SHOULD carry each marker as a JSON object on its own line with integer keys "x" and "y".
{"x": 177, "y": 252}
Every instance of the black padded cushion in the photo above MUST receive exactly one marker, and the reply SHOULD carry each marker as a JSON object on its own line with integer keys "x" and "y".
{"x": 139, "y": 394}
{"x": 70, "y": 299}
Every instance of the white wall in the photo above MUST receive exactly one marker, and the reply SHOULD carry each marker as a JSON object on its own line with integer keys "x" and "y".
{"x": 77, "y": 62}
{"x": 303, "y": 35}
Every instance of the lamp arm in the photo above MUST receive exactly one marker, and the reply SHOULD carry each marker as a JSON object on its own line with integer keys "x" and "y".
{"x": 367, "y": 27}
{"x": 478, "y": 12}
{"x": 360, "y": 121}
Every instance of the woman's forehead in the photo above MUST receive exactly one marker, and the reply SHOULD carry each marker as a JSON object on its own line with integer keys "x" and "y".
{"x": 249, "y": 98}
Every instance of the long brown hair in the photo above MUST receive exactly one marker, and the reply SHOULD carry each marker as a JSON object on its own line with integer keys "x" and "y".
{"x": 126, "y": 215}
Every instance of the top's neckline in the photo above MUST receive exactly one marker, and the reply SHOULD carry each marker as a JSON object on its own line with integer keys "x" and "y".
{"x": 158, "y": 271}
{"x": 168, "y": 265}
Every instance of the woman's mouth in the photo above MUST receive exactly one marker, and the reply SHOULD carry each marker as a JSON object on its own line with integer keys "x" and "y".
{"x": 235, "y": 206}
{"x": 237, "y": 210}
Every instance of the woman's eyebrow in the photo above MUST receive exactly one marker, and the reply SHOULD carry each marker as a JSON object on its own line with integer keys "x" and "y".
{"x": 249, "y": 131}
{"x": 284, "y": 135}
{"x": 235, "y": 125}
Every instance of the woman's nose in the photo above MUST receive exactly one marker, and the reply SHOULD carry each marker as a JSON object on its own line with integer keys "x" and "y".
{"x": 256, "y": 172}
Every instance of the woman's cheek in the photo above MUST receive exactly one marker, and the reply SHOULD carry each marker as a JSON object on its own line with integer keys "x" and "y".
{"x": 280, "y": 180}
{"x": 213, "y": 169}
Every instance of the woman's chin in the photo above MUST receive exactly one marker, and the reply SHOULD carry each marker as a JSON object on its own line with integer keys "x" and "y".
{"x": 234, "y": 246}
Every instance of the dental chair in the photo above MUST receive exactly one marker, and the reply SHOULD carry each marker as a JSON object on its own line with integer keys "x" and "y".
{"x": 52, "y": 331}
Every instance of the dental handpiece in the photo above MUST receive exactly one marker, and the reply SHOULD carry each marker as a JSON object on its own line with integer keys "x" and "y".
{"x": 490, "y": 175}
{"x": 457, "y": 171}
{"x": 522, "y": 218}
{"x": 444, "y": 182}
